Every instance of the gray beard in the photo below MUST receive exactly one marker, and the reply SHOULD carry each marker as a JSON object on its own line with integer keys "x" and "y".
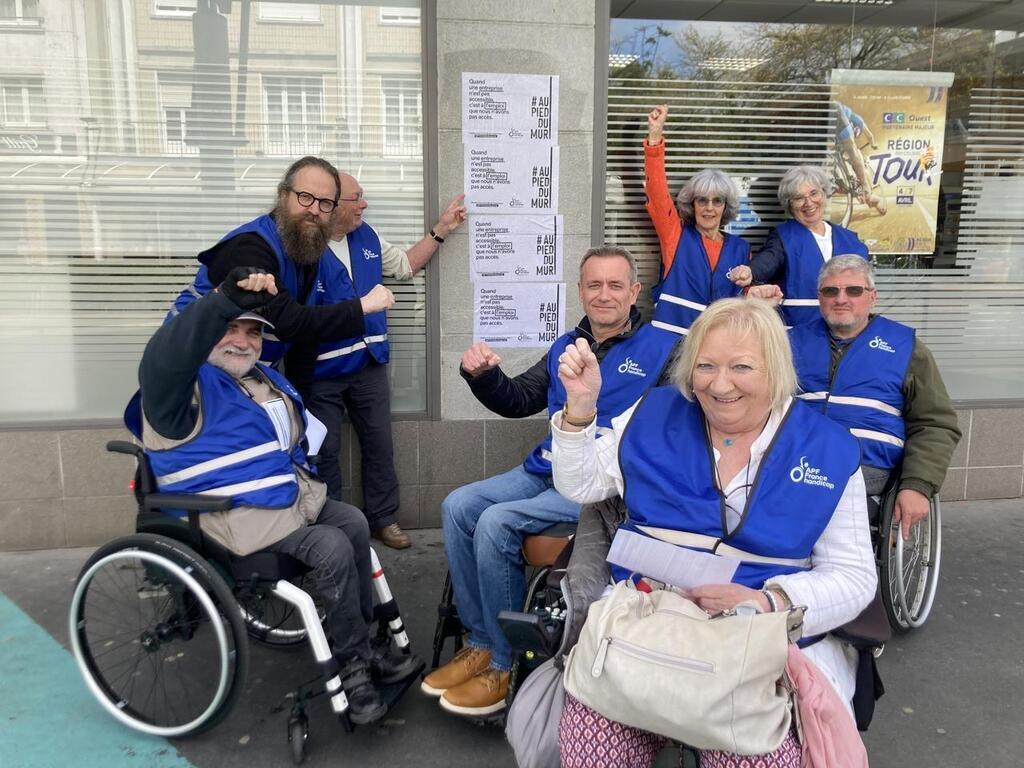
{"x": 303, "y": 245}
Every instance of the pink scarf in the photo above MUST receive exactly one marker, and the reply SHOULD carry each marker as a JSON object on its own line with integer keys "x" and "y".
{"x": 830, "y": 737}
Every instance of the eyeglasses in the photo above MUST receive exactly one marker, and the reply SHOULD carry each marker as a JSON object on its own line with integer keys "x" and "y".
{"x": 704, "y": 202}
{"x": 814, "y": 196}
{"x": 305, "y": 200}
{"x": 356, "y": 199}
{"x": 853, "y": 291}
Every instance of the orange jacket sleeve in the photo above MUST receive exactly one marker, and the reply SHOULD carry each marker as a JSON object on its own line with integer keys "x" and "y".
{"x": 660, "y": 205}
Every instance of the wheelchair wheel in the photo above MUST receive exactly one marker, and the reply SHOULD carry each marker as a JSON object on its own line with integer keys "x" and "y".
{"x": 909, "y": 570}
{"x": 158, "y": 636}
{"x": 273, "y": 622}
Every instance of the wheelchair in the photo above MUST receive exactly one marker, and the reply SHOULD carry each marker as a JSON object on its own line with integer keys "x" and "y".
{"x": 908, "y": 570}
{"x": 160, "y": 621}
{"x": 533, "y": 632}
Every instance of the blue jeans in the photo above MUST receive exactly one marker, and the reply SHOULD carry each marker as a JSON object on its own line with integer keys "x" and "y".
{"x": 484, "y": 524}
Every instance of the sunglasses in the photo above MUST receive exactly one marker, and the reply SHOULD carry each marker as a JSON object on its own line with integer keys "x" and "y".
{"x": 853, "y": 291}
{"x": 704, "y": 202}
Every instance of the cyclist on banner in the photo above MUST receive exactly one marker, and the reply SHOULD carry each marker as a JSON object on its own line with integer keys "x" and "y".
{"x": 850, "y": 125}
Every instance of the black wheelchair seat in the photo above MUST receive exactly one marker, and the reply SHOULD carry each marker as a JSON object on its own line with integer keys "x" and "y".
{"x": 265, "y": 566}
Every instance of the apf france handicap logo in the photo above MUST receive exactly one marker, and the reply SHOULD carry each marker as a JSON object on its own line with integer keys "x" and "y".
{"x": 808, "y": 475}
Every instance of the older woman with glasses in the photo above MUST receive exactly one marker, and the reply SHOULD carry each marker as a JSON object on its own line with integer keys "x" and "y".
{"x": 697, "y": 257}
{"x": 795, "y": 250}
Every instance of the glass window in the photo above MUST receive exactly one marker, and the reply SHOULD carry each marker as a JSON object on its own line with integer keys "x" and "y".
{"x": 139, "y": 158}
{"x": 301, "y": 12}
{"x": 19, "y": 12}
{"x": 22, "y": 101}
{"x": 755, "y": 99}
{"x": 403, "y": 117}
{"x": 174, "y": 91}
{"x": 294, "y": 109}
{"x": 174, "y": 7}
{"x": 398, "y": 15}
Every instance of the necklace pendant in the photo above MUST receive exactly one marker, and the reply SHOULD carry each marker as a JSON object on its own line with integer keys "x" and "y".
{"x": 728, "y": 441}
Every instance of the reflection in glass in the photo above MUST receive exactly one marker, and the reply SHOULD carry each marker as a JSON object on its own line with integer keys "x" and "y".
{"x": 130, "y": 144}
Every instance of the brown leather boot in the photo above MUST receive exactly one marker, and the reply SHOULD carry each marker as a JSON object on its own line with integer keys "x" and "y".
{"x": 482, "y": 694}
{"x": 467, "y": 663}
{"x": 392, "y": 536}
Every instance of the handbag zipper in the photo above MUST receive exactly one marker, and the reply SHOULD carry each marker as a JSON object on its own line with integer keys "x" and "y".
{"x": 646, "y": 654}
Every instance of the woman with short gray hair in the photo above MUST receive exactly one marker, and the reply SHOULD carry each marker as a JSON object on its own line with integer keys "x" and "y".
{"x": 698, "y": 257}
{"x": 795, "y": 250}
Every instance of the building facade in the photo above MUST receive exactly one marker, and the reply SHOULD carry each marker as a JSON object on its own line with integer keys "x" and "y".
{"x": 135, "y": 133}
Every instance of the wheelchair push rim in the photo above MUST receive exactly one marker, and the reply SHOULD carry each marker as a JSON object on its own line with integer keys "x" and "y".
{"x": 911, "y": 569}
{"x": 157, "y": 637}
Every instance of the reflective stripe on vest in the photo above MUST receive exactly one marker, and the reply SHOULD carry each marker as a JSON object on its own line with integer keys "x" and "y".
{"x": 353, "y": 348}
{"x": 222, "y": 461}
{"x": 252, "y": 485}
{"x": 669, "y": 327}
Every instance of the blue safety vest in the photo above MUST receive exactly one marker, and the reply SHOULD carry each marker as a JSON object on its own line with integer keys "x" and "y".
{"x": 803, "y": 263}
{"x": 671, "y": 494}
{"x": 628, "y": 369}
{"x": 866, "y": 393}
{"x": 288, "y": 277}
{"x": 236, "y": 452}
{"x": 691, "y": 284}
{"x": 338, "y": 358}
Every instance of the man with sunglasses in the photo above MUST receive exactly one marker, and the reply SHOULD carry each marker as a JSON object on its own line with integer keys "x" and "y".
{"x": 288, "y": 243}
{"x": 874, "y": 376}
{"x": 351, "y": 373}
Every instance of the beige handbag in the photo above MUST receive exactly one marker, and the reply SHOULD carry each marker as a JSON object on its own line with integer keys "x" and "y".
{"x": 657, "y": 661}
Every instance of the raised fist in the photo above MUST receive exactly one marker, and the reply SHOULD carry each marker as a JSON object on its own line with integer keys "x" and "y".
{"x": 479, "y": 359}
{"x": 378, "y": 299}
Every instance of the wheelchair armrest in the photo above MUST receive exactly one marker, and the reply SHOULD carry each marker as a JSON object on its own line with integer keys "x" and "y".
{"x": 192, "y": 502}
{"x": 123, "y": 446}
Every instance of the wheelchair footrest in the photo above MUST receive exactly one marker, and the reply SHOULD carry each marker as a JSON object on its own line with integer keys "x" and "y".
{"x": 393, "y": 692}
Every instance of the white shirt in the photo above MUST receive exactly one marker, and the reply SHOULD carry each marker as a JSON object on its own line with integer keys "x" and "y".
{"x": 824, "y": 241}
{"x": 842, "y": 578}
{"x": 394, "y": 262}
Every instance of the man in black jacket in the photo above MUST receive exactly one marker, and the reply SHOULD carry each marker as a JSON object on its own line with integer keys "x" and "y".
{"x": 485, "y": 522}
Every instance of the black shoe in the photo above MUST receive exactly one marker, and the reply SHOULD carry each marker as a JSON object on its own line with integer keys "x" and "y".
{"x": 365, "y": 704}
{"x": 393, "y": 668}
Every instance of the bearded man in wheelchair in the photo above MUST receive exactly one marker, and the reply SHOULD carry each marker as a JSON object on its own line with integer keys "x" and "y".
{"x": 215, "y": 421}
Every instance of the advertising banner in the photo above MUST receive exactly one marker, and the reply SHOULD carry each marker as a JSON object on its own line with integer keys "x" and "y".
{"x": 888, "y": 156}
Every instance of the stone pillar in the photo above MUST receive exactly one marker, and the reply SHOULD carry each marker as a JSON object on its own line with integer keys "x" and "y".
{"x": 549, "y": 37}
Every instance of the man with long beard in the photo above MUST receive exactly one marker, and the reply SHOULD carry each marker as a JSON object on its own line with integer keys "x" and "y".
{"x": 288, "y": 243}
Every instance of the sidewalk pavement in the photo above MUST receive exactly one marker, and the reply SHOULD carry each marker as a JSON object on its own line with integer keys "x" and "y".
{"x": 953, "y": 698}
